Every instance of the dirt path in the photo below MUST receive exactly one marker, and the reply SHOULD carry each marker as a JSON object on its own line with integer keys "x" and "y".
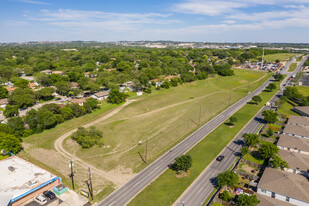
{"x": 107, "y": 175}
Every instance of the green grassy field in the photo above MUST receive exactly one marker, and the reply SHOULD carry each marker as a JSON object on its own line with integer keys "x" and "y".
{"x": 299, "y": 58}
{"x": 280, "y": 56}
{"x": 304, "y": 90}
{"x": 202, "y": 154}
{"x": 164, "y": 118}
{"x": 292, "y": 67}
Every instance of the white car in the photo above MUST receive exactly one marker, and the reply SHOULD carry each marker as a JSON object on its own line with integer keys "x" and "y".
{"x": 40, "y": 199}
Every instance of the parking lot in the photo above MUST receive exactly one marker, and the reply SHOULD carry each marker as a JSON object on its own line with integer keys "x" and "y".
{"x": 52, "y": 202}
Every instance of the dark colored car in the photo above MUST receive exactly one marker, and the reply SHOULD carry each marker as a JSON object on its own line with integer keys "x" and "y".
{"x": 49, "y": 194}
{"x": 58, "y": 99}
{"x": 220, "y": 158}
{"x": 23, "y": 108}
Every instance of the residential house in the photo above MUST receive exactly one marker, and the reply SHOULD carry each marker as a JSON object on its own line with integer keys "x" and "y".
{"x": 285, "y": 186}
{"x": 33, "y": 85}
{"x": 87, "y": 74}
{"x": 293, "y": 144}
{"x": 139, "y": 93}
{"x": 10, "y": 89}
{"x": 297, "y": 131}
{"x": 304, "y": 111}
{"x": 4, "y": 102}
{"x": 74, "y": 85}
{"x": 9, "y": 84}
{"x": 61, "y": 73}
{"x": 299, "y": 121}
{"x": 80, "y": 101}
{"x": 102, "y": 95}
{"x": 298, "y": 163}
{"x": 47, "y": 71}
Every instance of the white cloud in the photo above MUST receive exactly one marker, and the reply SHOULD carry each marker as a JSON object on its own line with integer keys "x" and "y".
{"x": 229, "y": 21}
{"x": 33, "y": 2}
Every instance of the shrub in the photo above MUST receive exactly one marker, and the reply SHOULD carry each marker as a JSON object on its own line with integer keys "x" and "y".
{"x": 87, "y": 138}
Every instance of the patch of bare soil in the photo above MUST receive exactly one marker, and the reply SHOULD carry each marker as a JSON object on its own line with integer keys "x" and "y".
{"x": 183, "y": 174}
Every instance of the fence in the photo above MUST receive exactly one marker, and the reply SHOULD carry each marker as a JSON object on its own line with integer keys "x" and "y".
{"x": 251, "y": 163}
{"x": 268, "y": 139}
{"x": 245, "y": 174}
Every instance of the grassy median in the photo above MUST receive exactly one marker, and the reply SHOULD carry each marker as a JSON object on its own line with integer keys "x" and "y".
{"x": 167, "y": 188}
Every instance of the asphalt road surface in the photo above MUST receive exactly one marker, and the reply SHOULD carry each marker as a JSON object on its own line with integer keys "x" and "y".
{"x": 202, "y": 187}
{"x": 129, "y": 190}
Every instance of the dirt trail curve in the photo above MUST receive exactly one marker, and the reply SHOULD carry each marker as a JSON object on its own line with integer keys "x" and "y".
{"x": 59, "y": 147}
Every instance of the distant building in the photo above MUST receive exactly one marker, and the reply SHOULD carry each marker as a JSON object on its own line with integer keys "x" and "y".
{"x": 4, "y": 102}
{"x": 80, "y": 101}
{"x": 47, "y": 71}
{"x": 293, "y": 144}
{"x": 298, "y": 163}
{"x": 74, "y": 85}
{"x": 61, "y": 73}
{"x": 297, "y": 126}
{"x": 102, "y": 95}
{"x": 140, "y": 93}
{"x": 33, "y": 85}
{"x": 10, "y": 89}
{"x": 21, "y": 181}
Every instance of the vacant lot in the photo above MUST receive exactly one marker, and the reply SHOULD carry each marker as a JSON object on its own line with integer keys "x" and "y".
{"x": 281, "y": 57}
{"x": 164, "y": 118}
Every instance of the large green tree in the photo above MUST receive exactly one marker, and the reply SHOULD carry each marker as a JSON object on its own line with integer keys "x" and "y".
{"x": 247, "y": 200}
{"x": 3, "y": 92}
{"x": 10, "y": 143}
{"x": 271, "y": 87}
{"x": 277, "y": 162}
{"x": 278, "y": 77}
{"x": 22, "y": 97}
{"x": 182, "y": 163}
{"x": 17, "y": 125}
{"x": 227, "y": 178}
{"x": 270, "y": 116}
{"x": 45, "y": 93}
{"x": 257, "y": 99}
{"x": 11, "y": 111}
{"x": 46, "y": 119}
{"x": 116, "y": 97}
{"x": 267, "y": 150}
{"x": 251, "y": 139}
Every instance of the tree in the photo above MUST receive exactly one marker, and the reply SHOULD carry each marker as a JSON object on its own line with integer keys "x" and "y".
{"x": 46, "y": 119}
{"x": 292, "y": 93}
{"x": 182, "y": 163}
{"x": 257, "y": 99}
{"x": 67, "y": 113}
{"x": 22, "y": 83}
{"x": 17, "y": 125}
{"x": 247, "y": 200}
{"x": 45, "y": 93}
{"x": 251, "y": 139}
{"x": 31, "y": 119}
{"x": 165, "y": 85}
{"x": 77, "y": 110}
{"x": 271, "y": 87}
{"x": 10, "y": 143}
{"x": 225, "y": 196}
{"x": 232, "y": 120}
{"x": 174, "y": 82}
{"x": 92, "y": 103}
{"x": 277, "y": 61}
{"x": 267, "y": 150}
{"x": 22, "y": 97}
{"x": 147, "y": 90}
{"x": 270, "y": 116}
{"x": 87, "y": 138}
{"x": 3, "y": 92}
{"x": 270, "y": 132}
{"x": 277, "y": 162}
{"x": 116, "y": 97}
{"x": 63, "y": 88}
{"x": 278, "y": 77}
{"x": 227, "y": 178}
{"x": 11, "y": 111}
{"x": 244, "y": 151}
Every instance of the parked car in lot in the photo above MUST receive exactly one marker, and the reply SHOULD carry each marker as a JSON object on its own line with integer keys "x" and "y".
{"x": 40, "y": 199}
{"x": 220, "y": 158}
{"x": 49, "y": 194}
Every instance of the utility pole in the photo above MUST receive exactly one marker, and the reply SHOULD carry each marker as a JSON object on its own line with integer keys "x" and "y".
{"x": 230, "y": 97}
{"x": 263, "y": 58}
{"x": 146, "y": 151}
{"x": 199, "y": 121}
{"x": 90, "y": 176}
{"x": 71, "y": 164}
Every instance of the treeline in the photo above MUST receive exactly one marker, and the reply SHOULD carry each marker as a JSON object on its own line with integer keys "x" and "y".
{"x": 36, "y": 121}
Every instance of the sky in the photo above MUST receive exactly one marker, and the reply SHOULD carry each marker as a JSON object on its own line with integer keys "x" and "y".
{"x": 134, "y": 20}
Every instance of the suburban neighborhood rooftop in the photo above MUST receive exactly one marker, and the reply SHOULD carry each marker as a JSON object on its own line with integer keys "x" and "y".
{"x": 299, "y": 120}
{"x": 293, "y": 142}
{"x": 295, "y": 160}
{"x": 285, "y": 183}
{"x": 297, "y": 130}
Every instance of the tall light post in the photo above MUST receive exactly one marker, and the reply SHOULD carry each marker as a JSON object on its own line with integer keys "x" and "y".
{"x": 71, "y": 164}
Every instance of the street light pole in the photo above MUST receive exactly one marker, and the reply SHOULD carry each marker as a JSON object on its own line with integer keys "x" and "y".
{"x": 72, "y": 172}
{"x": 146, "y": 151}
{"x": 90, "y": 176}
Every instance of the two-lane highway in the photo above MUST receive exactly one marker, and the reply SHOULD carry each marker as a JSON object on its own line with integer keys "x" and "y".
{"x": 202, "y": 187}
{"x": 125, "y": 193}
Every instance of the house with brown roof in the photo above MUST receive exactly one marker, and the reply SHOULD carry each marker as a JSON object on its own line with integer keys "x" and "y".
{"x": 10, "y": 89}
{"x": 74, "y": 85}
{"x": 33, "y": 85}
{"x": 285, "y": 186}
{"x": 293, "y": 144}
{"x": 304, "y": 110}
{"x": 80, "y": 101}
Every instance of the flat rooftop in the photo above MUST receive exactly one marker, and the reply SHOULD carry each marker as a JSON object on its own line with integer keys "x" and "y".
{"x": 295, "y": 160}
{"x": 19, "y": 176}
{"x": 300, "y": 120}
{"x": 293, "y": 142}
{"x": 285, "y": 183}
{"x": 297, "y": 130}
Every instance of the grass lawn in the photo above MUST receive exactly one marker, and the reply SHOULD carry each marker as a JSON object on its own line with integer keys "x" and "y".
{"x": 286, "y": 109}
{"x": 304, "y": 90}
{"x": 202, "y": 154}
{"x": 280, "y": 56}
{"x": 216, "y": 204}
{"x": 292, "y": 67}
{"x": 253, "y": 159}
{"x": 299, "y": 58}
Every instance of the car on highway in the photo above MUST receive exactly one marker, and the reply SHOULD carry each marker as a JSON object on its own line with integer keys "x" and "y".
{"x": 40, "y": 199}
{"x": 49, "y": 194}
{"x": 220, "y": 158}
